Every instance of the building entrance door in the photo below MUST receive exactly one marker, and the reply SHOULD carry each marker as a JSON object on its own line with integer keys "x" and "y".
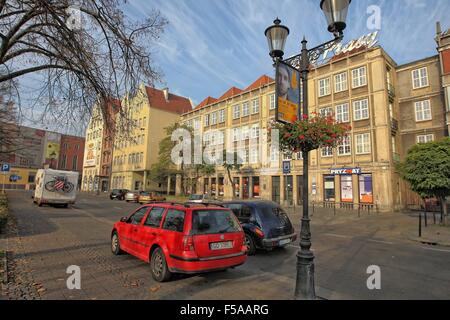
{"x": 276, "y": 185}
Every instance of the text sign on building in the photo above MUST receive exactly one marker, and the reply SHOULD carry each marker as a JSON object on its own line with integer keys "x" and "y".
{"x": 366, "y": 41}
{"x": 345, "y": 171}
{"x": 5, "y": 167}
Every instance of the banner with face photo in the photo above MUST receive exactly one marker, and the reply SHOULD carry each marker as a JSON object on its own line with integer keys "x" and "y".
{"x": 287, "y": 93}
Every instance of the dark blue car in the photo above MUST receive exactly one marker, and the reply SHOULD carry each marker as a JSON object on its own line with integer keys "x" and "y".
{"x": 265, "y": 223}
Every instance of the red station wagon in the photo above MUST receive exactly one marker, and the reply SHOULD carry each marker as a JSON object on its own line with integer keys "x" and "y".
{"x": 181, "y": 238}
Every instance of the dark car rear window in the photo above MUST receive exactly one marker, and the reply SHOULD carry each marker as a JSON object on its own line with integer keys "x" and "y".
{"x": 214, "y": 221}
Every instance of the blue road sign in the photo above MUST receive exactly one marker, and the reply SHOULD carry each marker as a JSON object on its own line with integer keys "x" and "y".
{"x": 6, "y": 167}
{"x": 286, "y": 167}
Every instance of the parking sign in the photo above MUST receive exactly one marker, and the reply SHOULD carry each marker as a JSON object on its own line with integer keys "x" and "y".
{"x": 5, "y": 167}
{"x": 286, "y": 167}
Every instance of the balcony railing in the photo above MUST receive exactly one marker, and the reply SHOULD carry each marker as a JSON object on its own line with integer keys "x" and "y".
{"x": 391, "y": 92}
{"x": 394, "y": 126}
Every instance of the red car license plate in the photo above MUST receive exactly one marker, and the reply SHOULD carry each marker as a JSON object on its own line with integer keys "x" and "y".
{"x": 221, "y": 245}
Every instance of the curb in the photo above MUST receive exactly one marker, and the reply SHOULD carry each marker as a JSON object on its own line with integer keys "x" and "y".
{"x": 429, "y": 242}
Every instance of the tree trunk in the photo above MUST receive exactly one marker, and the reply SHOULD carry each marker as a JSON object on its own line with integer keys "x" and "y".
{"x": 232, "y": 183}
{"x": 444, "y": 211}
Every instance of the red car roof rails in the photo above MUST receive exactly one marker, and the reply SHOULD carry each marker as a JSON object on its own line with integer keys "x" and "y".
{"x": 190, "y": 204}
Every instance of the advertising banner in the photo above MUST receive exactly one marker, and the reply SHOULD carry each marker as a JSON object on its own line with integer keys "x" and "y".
{"x": 90, "y": 155}
{"x": 287, "y": 93}
{"x": 346, "y": 189}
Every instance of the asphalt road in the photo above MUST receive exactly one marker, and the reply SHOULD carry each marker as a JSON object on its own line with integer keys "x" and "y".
{"x": 49, "y": 240}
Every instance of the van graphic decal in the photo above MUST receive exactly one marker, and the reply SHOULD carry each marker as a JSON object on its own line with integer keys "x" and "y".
{"x": 59, "y": 184}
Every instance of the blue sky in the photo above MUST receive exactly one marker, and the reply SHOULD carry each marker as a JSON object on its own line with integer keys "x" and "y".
{"x": 211, "y": 45}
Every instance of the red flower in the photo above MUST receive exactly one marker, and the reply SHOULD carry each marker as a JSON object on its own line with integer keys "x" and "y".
{"x": 301, "y": 137}
{"x": 305, "y": 117}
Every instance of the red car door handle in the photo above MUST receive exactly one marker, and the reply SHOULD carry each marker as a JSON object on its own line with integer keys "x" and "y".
{"x": 153, "y": 234}
{"x": 135, "y": 230}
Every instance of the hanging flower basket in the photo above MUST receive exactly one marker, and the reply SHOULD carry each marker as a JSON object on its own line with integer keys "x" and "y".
{"x": 311, "y": 133}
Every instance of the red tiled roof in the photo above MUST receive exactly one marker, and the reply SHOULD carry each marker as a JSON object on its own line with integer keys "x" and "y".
{"x": 175, "y": 104}
{"x": 230, "y": 93}
{"x": 233, "y": 91}
{"x": 261, "y": 81}
{"x": 206, "y": 102}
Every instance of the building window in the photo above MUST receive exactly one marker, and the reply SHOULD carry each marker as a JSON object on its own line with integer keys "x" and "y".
{"x": 425, "y": 138}
{"x": 75, "y": 163}
{"x": 236, "y": 133}
{"x": 272, "y": 102}
{"x": 324, "y": 87}
{"x": 346, "y": 188}
{"x": 361, "y": 110}
{"x": 31, "y": 178}
{"x": 196, "y": 124}
{"x": 365, "y": 189}
{"x": 245, "y": 109}
{"x": 253, "y": 155}
{"x": 327, "y": 152}
{"x": 345, "y": 148}
{"x": 329, "y": 189}
{"x": 245, "y": 133}
{"x": 236, "y": 112}
{"x": 343, "y": 113}
{"x": 420, "y": 78}
{"x": 340, "y": 82}
{"x": 206, "y": 120}
{"x": 255, "y": 131}
{"x": 213, "y": 118}
{"x": 423, "y": 110}
{"x": 362, "y": 143}
{"x": 325, "y": 112}
{"x": 222, "y": 116}
{"x": 448, "y": 98}
{"x": 255, "y": 187}
{"x": 255, "y": 106}
{"x": 359, "y": 77}
{"x": 63, "y": 162}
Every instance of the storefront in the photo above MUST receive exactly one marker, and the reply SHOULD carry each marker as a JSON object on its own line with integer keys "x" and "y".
{"x": 348, "y": 185}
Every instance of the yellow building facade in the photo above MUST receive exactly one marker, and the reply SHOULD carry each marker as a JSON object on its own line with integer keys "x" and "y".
{"x": 358, "y": 88}
{"x": 138, "y": 133}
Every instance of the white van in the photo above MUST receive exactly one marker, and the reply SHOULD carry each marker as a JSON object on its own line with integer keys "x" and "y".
{"x": 55, "y": 187}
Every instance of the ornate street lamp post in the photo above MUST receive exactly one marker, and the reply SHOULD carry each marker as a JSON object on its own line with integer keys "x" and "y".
{"x": 336, "y": 13}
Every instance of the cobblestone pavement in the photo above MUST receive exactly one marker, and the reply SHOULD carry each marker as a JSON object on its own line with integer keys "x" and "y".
{"x": 47, "y": 240}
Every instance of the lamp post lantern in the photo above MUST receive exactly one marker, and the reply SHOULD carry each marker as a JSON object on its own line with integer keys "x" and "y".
{"x": 336, "y": 13}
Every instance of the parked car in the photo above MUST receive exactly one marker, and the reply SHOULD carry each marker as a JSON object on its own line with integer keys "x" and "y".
{"x": 265, "y": 223}
{"x": 176, "y": 238}
{"x": 152, "y": 196}
{"x": 118, "y": 194}
{"x": 200, "y": 198}
{"x": 132, "y": 196}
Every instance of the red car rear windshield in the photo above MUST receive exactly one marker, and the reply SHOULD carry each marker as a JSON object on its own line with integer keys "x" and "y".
{"x": 213, "y": 222}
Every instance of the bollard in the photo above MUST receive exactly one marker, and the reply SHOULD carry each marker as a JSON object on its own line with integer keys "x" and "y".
{"x": 434, "y": 217}
{"x": 334, "y": 206}
{"x": 426, "y": 218}
{"x": 420, "y": 225}
{"x": 359, "y": 211}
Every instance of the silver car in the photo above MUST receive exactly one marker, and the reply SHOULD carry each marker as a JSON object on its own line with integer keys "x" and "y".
{"x": 201, "y": 198}
{"x": 132, "y": 196}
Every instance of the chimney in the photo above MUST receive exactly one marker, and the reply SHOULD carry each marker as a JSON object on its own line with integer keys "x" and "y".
{"x": 192, "y": 103}
{"x": 166, "y": 93}
{"x": 438, "y": 33}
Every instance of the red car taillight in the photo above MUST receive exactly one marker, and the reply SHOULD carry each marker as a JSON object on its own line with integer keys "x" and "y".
{"x": 188, "y": 243}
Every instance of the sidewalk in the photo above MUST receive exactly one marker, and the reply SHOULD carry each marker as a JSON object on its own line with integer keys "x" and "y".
{"x": 434, "y": 235}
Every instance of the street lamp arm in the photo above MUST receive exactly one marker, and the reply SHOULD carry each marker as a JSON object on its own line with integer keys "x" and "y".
{"x": 313, "y": 54}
